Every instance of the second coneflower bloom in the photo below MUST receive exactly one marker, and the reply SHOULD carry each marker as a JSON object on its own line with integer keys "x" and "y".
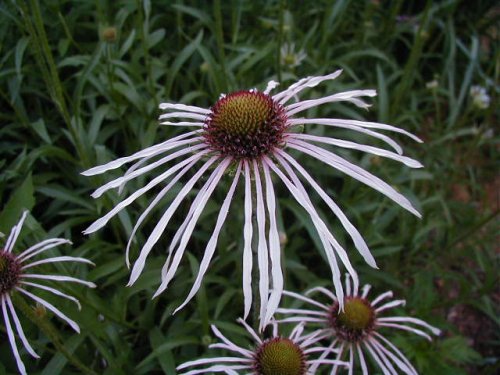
{"x": 356, "y": 330}
{"x": 250, "y": 134}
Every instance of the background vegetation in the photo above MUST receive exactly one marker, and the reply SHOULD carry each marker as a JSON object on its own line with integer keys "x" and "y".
{"x": 80, "y": 84}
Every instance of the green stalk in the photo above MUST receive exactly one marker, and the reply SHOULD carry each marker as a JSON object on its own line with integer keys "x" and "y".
{"x": 49, "y": 330}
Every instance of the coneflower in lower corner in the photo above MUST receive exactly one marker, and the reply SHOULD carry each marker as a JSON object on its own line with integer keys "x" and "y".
{"x": 356, "y": 330}
{"x": 290, "y": 355}
{"x": 249, "y": 133}
{"x": 16, "y": 277}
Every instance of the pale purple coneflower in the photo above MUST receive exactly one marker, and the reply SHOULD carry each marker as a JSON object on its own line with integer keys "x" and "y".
{"x": 16, "y": 275}
{"x": 290, "y": 355}
{"x": 248, "y": 133}
{"x": 355, "y": 330}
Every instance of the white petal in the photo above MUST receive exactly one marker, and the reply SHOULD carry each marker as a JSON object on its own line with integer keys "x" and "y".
{"x": 395, "y": 350}
{"x": 383, "y": 357}
{"x": 390, "y": 305}
{"x": 58, "y": 278}
{"x": 52, "y": 308}
{"x": 355, "y": 172}
{"x": 19, "y": 329}
{"x": 346, "y": 96}
{"x": 375, "y": 356}
{"x": 98, "y": 224}
{"x": 41, "y": 247}
{"x": 212, "y": 243}
{"x": 233, "y": 347}
{"x": 358, "y": 240}
{"x": 362, "y": 360}
{"x": 153, "y": 150}
{"x": 16, "y": 229}
{"x": 416, "y": 331}
{"x": 270, "y": 86}
{"x": 10, "y": 335}
{"x": 247, "y": 247}
{"x": 356, "y": 123}
{"x": 163, "y": 222}
{"x": 274, "y": 249}
{"x": 194, "y": 116}
{"x": 409, "y": 370}
{"x": 305, "y": 299}
{"x": 182, "y": 123}
{"x": 217, "y": 174}
{"x": 250, "y": 330}
{"x": 183, "y": 107}
{"x": 186, "y": 166}
{"x": 58, "y": 259}
{"x": 407, "y": 319}
{"x": 262, "y": 250}
{"x": 118, "y": 182}
{"x": 53, "y": 291}
{"x": 412, "y": 163}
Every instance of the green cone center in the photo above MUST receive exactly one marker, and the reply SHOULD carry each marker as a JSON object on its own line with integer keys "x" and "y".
{"x": 242, "y": 114}
{"x": 280, "y": 356}
{"x": 357, "y": 314}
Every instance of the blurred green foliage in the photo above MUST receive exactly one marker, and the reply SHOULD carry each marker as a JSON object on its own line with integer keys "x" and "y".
{"x": 80, "y": 84}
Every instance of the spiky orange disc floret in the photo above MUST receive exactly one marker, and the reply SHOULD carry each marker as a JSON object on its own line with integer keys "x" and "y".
{"x": 10, "y": 269}
{"x": 355, "y": 322}
{"x": 245, "y": 124}
{"x": 279, "y": 356}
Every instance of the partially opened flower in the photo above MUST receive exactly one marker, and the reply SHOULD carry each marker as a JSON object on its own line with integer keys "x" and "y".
{"x": 276, "y": 355}
{"x": 16, "y": 276}
{"x": 356, "y": 330}
{"x": 248, "y": 133}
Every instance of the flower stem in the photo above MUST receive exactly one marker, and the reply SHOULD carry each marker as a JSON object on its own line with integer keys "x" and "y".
{"x": 50, "y": 331}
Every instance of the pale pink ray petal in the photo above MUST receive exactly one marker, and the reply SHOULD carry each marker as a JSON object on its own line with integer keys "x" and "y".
{"x": 371, "y": 133}
{"x": 355, "y": 172}
{"x": 52, "y": 308}
{"x": 19, "y": 329}
{"x": 390, "y": 305}
{"x": 116, "y": 183}
{"x": 262, "y": 250}
{"x": 381, "y": 297}
{"x": 186, "y": 166}
{"x": 366, "y": 290}
{"x": 98, "y": 224}
{"x": 402, "y": 365}
{"x": 172, "y": 268}
{"x": 163, "y": 222}
{"x": 296, "y": 333}
{"x": 10, "y": 335}
{"x": 379, "y": 361}
{"x": 58, "y": 278}
{"x": 404, "y": 328}
{"x": 212, "y": 243}
{"x": 41, "y": 247}
{"x": 247, "y": 247}
{"x": 339, "y": 356}
{"x": 250, "y": 330}
{"x": 351, "y": 359}
{"x": 346, "y": 96}
{"x": 230, "y": 370}
{"x": 306, "y": 299}
{"x": 194, "y": 116}
{"x": 407, "y": 319}
{"x": 323, "y": 290}
{"x": 362, "y": 361}
{"x": 233, "y": 347}
{"x": 274, "y": 249}
{"x": 402, "y": 357}
{"x": 271, "y": 85}
{"x": 301, "y": 311}
{"x": 300, "y": 319}
{"x": 183, "y": 107}
{"x": 182, "y": 123}
{"x": 358, "y": 240}
{"x": 412, "y": 163}
{"x": 314, "y": 366}
{"x": 149, "y": 151}
{"x": 302, "y": 84}
{"x": 204, "y": 361}
{"x": 14, "y": 233}
{"x": 384, "y": 358}
{"x": 53, "y": 291}
{"x": 323, "y": 232}
{"x": 347, "y": 285}
{"x": 58, "y": 259}
{"x": 362, "y": 124}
